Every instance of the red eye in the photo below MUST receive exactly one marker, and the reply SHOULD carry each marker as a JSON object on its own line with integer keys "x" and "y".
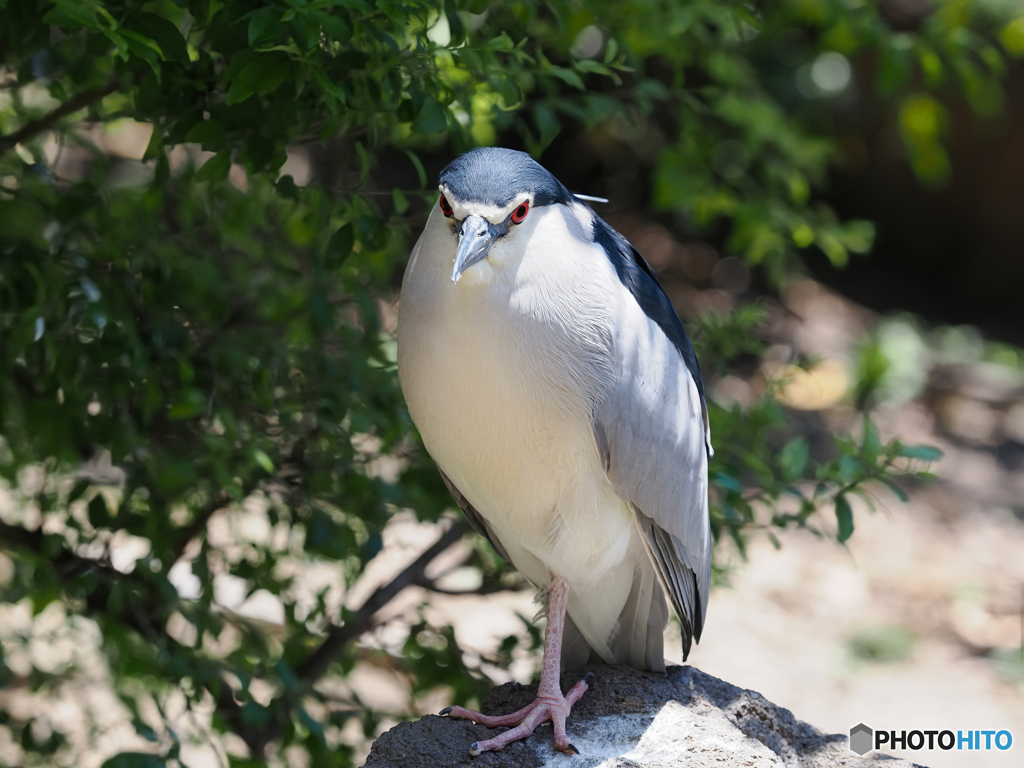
{"x": 520, "y": 213}
{"x": 446, "y": 208}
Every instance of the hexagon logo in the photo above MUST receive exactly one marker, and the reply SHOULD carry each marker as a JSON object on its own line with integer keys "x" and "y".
{"x": 860, "y": 739}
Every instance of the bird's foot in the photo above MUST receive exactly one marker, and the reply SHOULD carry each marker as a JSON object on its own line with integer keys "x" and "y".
{"x": 554, "y": 708}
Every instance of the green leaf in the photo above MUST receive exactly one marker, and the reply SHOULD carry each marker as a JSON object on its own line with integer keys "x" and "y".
{"x": 164, "y": 33}
{"x": 216, "y": 168}
{"x": 511, "y": 96}
{"x": 400, "y": 201}
{"x": 134, "y": 760}
{"x": 501, "y": 43}
{"x": 143, "y": 47}
{"x": 239, "y": 91}
{"x": 286, "y": 187}
{"x": 21, "y": 220}
{"x": 611, "y": 51}
{"x": 844, "y": 515}
{"x": 568, "y": 76}
{"x": 209, "y": 134}
{"x": 70, "y": 14}
{"x": 301, "y": 229}
{"x": 431, "y": 118}
{"x": 144, "y": 730}
{"x": 728, "y": 482}
{"x": 191, "y": 404}
{"x": 455, "y": 25}
{"x": 900, "y": 493}
{"x": 547, "y": 123}
{"x": 339, "y": 247}
{"x": 261, "y": 75}
{"x": 793, "y": 459}
{"x": 591, "y": 66}
{"x": 872, "y": 445}
{"x": 421, "y": 174}
{"x": 336, "y": 27}
{"x": 922, "y": 452}
{"x": 305, "y": 30}
{"x": 264, "y": 461}
{"x": 337, "y": 94}
{"x": 263, "y": 24}
{"x": 154, "y": 148}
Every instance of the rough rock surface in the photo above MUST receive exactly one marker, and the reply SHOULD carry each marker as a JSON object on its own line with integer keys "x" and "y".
{"x": 633, "y": 719}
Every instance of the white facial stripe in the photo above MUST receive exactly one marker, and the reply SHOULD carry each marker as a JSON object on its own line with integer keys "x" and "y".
{"x": 492, "y": 213}
{"x": 585, "y": 217}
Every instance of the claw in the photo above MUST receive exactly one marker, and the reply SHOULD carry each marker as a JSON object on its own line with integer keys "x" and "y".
{"x": 550, "y": 705}
{"x": 588, "y": 678}
{"x": 445, "y": 711}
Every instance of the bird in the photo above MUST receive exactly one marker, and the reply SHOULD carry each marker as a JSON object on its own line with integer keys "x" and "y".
{"x": 559, "y": 395}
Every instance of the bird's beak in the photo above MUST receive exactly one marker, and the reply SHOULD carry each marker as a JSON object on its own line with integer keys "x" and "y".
{"x": 475, "y": 237}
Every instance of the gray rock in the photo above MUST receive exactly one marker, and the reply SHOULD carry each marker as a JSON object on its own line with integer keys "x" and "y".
{"x": 633, "y": 719}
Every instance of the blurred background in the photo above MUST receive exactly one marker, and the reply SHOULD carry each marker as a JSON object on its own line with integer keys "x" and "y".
{"x": 221, "y": 542}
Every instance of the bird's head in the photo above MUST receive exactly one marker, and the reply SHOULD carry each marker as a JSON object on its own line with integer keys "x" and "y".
{"x": 489, "y": 194}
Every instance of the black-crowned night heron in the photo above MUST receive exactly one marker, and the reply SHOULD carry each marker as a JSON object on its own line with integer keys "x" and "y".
{"x": 560, "y": 397}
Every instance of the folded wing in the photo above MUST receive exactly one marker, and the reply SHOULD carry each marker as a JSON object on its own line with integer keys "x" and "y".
{"x": 652, "y": 428}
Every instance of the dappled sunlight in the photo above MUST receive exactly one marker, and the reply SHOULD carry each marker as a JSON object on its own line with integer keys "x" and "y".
{"x": 812, "y": 389}
{"x": 221, "y": 539}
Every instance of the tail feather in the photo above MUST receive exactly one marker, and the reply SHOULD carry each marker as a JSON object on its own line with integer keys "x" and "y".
{"x": 576, "y": 651}
{"x": 634, "y": 637}
{"x": 638, "y": 639}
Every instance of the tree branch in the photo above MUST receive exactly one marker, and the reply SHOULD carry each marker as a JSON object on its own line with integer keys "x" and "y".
{"x": 15, "y": 534}
{"x": 81, "y": 101}
{"x": 153, "y": 628}
{"x": 339, "y": 636}
{"x": 431, "y": 586}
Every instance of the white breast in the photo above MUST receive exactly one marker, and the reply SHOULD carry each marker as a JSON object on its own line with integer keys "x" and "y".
{"x": 501, "y": 372}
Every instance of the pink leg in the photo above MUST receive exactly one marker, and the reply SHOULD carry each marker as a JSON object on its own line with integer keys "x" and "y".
{"x": 550, "y": 704}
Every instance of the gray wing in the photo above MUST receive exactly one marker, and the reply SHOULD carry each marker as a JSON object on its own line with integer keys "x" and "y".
{"x": 651, "y": 427}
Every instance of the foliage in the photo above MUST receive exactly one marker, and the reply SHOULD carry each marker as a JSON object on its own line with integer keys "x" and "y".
{"x": 197, "y": 340}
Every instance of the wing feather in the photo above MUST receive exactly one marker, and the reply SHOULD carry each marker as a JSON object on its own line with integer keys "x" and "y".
{"x": 652, "y": 430}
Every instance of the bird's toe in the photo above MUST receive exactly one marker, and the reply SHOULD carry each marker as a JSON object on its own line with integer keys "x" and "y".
{"x": 553, "y": 709}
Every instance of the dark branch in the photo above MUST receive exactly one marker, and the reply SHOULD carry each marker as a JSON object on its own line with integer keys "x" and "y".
{"x": 15, "y": 534}
{"x": 81, "y": 101}
{"x": 153, "y": 628}
{"x": 97, "y": 603}
{"x": 484, "y": 589}
{"x": 339, "y": 636}
{"x": 318, "y": 662}
{"x": 428, "y": 585}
